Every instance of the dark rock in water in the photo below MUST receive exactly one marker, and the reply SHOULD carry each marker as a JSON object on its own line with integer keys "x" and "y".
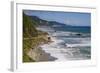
{"x": 49, "y": 38}
{"x": 79, "y": 34}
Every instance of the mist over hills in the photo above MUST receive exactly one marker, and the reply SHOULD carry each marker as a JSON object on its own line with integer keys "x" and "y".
{"x": 42, "y": 22}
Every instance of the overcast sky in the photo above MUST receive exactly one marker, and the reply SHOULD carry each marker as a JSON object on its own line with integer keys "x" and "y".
{"x": 69, "y": 18}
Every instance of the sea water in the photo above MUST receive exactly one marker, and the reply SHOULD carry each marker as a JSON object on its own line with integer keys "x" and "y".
{"x": 70, "y": 43}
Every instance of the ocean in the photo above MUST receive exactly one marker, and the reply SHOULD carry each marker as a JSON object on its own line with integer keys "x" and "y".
{"x": 81, "y": 29}
{"x": 70, "y": 43}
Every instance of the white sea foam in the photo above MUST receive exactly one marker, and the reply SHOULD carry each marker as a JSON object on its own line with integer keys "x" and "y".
{"x": 45, "y": 29}
{"x": 61, "y": 33}
{"x": 54, "y": 50}
{"x": 68, "y": 52}
{"x": 79, "y": 45}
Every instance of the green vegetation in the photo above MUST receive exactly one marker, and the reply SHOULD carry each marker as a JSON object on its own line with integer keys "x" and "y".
{"x": 31, "y": 36}
{"x": 28, "y": 27}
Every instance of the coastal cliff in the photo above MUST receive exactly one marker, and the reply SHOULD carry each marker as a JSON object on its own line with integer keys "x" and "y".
{"x": 32, "y": 38}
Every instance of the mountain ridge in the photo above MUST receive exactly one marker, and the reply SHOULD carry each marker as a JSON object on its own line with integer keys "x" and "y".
{"x": 50, "y": 23}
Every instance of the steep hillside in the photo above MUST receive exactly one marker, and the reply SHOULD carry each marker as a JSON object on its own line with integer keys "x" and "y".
{"x": 28, "y": 27}
{"x": 32, "y": 37}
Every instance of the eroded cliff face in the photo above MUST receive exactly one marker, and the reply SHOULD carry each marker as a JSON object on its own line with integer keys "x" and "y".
{"x": 37, "y": 54}
{"x": 32, "y": 38}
